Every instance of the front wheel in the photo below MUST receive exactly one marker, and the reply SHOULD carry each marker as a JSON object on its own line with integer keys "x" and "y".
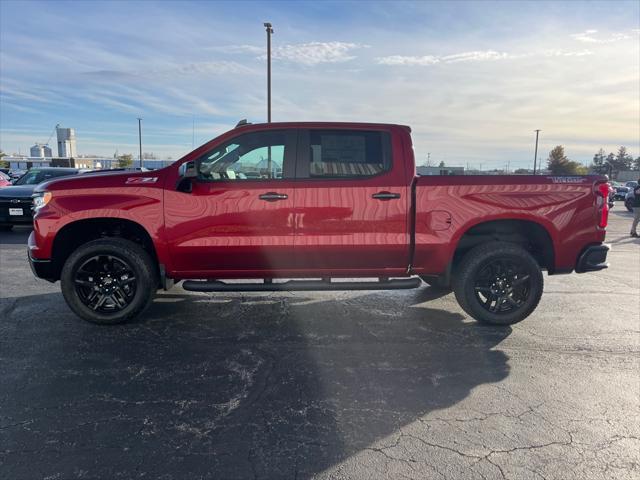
{"x": 108, "y": 281}
{"x": 498, "y": 283}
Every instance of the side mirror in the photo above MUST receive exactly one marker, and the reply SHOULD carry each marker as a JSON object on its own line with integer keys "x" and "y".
{"x": 188, "y": 170}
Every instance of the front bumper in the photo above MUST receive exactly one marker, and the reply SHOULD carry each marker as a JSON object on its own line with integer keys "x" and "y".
{"x": 19, "y": 203}
{"x": 593, "y": 258}
{"x": 41, "y": 268}
{"x": 15, "y": 219}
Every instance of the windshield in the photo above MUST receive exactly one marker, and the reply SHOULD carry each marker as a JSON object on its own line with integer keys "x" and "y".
{"x": 35, "y": 176}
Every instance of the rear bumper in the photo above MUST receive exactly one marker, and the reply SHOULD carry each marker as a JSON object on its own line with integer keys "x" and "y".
{"x": 593, "y": 258}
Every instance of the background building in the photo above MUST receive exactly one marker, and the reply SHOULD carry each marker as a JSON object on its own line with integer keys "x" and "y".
{"x": 41, "y": 150}
{"x": 66, "y": 142}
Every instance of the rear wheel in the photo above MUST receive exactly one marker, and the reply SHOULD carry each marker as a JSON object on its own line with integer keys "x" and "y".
{"x": 498, "y": 283}
{"x": 108, "y": 281}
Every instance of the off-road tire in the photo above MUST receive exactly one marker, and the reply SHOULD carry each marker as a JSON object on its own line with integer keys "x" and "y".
{"x": 140, "y": 262}
{"x": 464, "y": 281}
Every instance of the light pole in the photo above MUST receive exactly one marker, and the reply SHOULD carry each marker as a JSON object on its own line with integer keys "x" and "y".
{"x": 535, "y": 155}
{"x": 269, "y": 29}
{"x": 140, "y": 139}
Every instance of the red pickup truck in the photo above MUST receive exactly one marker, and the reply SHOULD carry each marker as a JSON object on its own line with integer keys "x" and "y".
{"x": 315, "y": 203}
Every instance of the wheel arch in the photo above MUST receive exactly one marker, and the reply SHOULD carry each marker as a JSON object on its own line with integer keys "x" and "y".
{"x": 532, "y": 235}
{"x": 76, "y": 233}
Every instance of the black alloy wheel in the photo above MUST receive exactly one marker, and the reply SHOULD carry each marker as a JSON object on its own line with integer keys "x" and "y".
{"x": 109, "y": 280}
{"x": 499, "y": 283}
{"x": 105, "y": 283}
{"x": 502, "y": 285}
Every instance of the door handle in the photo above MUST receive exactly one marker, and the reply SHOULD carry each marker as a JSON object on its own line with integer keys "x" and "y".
{"x": 385, "y": 196}
{"x": 273, "y": 196}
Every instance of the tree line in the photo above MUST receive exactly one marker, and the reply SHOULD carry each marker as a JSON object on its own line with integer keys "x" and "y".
{"x": 613, "y": 163}
{"x": 559, "y": 164}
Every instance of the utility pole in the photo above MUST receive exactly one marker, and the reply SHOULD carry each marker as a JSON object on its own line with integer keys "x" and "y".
{"x": 193, "y": 131}
{"x": 140, "y": 139}
{"x": 269, "y": 29}
{"x": 535, "y": 155}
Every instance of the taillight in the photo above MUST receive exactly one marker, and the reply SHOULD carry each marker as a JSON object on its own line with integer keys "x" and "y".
{"x": 603, "y": 191}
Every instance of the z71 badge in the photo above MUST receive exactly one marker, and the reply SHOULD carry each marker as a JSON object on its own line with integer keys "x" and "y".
{"x": 141, "y": 180}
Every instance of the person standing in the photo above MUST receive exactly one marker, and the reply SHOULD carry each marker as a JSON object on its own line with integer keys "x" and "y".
{"x": 636, "y": 210}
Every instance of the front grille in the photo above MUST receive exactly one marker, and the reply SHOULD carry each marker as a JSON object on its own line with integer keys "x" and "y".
{"x": 11, "y": 202}
{"x": 24, "y": 203}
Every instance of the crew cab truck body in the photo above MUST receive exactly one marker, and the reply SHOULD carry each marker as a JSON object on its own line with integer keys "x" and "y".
{"x": 313, "y": 201}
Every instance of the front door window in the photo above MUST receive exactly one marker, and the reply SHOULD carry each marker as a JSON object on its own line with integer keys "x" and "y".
{"x": 254, "y": 156}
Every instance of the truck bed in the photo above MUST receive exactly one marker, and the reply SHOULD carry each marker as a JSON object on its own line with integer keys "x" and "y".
{"x": 447, "y": 207}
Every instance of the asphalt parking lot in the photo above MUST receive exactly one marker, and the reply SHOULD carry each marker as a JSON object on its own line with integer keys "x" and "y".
{"x": 328, "y": 385}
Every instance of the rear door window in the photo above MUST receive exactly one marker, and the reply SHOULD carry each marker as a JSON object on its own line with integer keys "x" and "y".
{"x": 346, "y": 154}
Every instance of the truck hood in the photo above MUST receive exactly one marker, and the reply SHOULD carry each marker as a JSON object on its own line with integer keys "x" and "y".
{"x": 17, "y": 191}
{"x": 103, "y": 180}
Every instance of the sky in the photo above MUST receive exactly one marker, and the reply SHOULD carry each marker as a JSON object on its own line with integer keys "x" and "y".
{"x": 472, "y": 79}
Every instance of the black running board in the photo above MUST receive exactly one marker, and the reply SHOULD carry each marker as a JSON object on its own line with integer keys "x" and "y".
{"x": 300, "y": 285}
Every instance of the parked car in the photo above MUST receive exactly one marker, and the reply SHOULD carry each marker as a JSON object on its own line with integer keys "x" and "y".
{"x": 16, "y": 174}
{"x": 628, "y": 199}
{"x": 16, "y": 201}
{"x": 5, "y": 180}
{"x": 347, "y": 203}
{"x": 620, "y": 193}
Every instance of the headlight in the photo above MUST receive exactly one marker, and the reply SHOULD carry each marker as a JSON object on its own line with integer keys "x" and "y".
{"x": 41, "y": 199}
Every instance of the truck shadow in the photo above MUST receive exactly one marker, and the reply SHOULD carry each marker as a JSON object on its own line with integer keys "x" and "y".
{"x": 234, "y": 385}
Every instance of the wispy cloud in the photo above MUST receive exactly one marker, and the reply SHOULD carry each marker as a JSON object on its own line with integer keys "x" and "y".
{"x": 425, "y": 60}
{"x": 592, "y": 36}
{"x": 567, "y": 53}
{"x": 408, "y": 60}
{"x": 314, "y": 53}
{"x": 311, "y": 53}
{"x": 475, "y": 56}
